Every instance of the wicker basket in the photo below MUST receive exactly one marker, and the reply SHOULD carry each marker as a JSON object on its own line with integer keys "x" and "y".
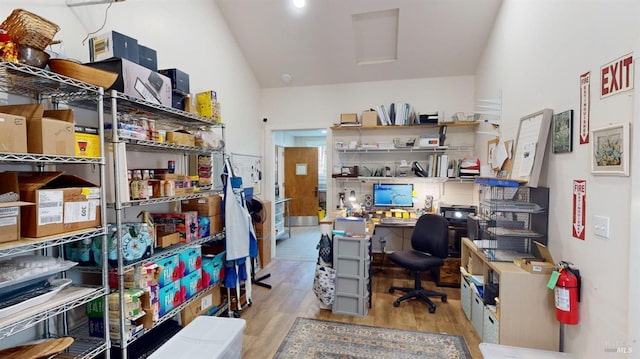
{"x": 30, "y": 29}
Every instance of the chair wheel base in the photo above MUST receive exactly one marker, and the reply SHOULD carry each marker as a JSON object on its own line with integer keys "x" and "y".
{"x": 396, "y": 303}
{"x": 391, "y": 290}
{"x": 432, "y": 309}
{"x": 443, "y": 299}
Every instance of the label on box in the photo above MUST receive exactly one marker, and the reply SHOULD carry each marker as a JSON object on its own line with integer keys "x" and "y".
{"x": 9, "y": 211}
{"x": 91, "y": 192}
{"x": 50, "y": 207}
{"x": 80, "y": 211}
{"x": 8, "y": 221}
{"x": 206, "y": 301}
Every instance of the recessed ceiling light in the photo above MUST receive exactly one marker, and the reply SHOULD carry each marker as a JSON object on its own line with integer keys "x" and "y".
{"x": 299, "y": 3}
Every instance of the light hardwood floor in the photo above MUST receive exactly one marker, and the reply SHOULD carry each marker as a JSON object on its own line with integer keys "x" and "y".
{"x": 273, "y": 311}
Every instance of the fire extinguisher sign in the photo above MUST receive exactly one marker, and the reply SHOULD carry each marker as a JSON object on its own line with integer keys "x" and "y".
{"x": 579, "y": 208}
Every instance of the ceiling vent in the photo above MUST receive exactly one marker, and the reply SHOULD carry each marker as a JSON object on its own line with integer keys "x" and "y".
{"x": 376, "y": 36}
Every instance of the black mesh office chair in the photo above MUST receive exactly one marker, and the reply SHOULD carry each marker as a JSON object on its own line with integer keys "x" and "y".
{"x": 430, "y": 245}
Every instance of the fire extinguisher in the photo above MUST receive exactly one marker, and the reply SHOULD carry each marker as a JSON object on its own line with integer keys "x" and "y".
{"x": 567, "y": 294}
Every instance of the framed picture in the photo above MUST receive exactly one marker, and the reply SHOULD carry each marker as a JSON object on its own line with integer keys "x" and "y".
{"x": 563, "y": 132}
{"x": 610, "y": 150}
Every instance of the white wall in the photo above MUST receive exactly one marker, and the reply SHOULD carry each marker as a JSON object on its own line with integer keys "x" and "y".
{"x": 535, "y": 56}
{"x": 320, "y": 107}
{"x": 190, "y": 35}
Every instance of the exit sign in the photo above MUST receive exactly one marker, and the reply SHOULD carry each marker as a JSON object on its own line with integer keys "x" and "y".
{"x": 617, "y": 76}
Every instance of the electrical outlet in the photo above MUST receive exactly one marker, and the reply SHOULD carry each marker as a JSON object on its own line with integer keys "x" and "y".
{"x": 601, "y": 226}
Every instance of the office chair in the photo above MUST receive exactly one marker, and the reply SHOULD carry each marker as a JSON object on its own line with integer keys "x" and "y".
{"x": 429, "y": 242}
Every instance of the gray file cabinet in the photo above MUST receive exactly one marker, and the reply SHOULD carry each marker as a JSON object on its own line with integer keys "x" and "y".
{"x": 352, "y": 262}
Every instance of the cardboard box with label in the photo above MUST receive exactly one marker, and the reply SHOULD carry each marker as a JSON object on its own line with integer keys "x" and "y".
{"x": 63, "y": 203}
{"x": 13, "y": 133}
{"x": 138, "y": 81}
{"x": 10, "y": 211}
{"x": 206, "y": 206}
{"x": 210, "y": 298}
{"x": 545, "y": 265}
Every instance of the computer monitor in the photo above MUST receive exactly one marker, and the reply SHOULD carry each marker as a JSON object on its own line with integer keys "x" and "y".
{"x": 393, "y": 195}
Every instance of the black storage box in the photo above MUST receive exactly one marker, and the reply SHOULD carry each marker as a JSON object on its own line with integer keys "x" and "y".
{"x": 179, "y": 79}
{"x": 177, "y": 100}
{"x": 148, "y": 58}
{"x": 113, "y": 45}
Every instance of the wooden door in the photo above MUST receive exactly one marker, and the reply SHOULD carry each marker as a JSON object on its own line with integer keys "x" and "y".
{"x": 301, "y": 184}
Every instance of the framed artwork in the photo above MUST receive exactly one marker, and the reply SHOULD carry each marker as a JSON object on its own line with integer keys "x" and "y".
{"x": 610, "y": 150}
{"x": 563, "y": 132}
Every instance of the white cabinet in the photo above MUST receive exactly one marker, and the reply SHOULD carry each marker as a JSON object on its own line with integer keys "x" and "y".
{"x": 282, "y": 223}
{"x": 526, "y": 316}
{"x": 21, "y": 82}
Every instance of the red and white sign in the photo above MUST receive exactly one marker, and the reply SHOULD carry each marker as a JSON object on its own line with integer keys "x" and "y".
{"x": 579, "y": 208}
{"x": 617, "y": 76}
{"x": 585, "y": 106}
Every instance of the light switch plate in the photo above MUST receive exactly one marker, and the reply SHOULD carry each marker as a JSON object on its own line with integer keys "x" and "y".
{"x": 601, "y": 226}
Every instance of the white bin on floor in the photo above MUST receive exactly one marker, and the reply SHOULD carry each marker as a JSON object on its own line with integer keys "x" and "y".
{"x": 205, "y": 337}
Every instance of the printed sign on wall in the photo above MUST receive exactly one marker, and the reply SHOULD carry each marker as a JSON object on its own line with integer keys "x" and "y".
{"x": 579, "y": 208}
{"x": 585, "y": 94}
{"x": 616, "y": 76}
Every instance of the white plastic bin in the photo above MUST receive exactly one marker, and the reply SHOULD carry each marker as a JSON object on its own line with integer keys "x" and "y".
{"x": 207, "y": 338}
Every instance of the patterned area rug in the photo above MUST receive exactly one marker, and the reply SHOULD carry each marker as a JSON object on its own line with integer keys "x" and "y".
{"x": 319, "y": 339}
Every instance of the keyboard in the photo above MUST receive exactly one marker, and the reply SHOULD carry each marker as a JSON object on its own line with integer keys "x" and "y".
{"x": 398, "y": 221}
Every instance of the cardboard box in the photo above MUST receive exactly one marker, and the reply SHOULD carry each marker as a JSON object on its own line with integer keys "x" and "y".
{"x": 113, "y": 45}
{"x": 151, "y": 306}
{"x": 10, "y": 211}
{"x": 206, "y": 206}
{"x": 349, "y": 118}
{"x": 63, "y": 203}
{"x": 210, "y": 298}
{"x": 53, "y": 135}
{"x": 169, "y": 297}
{"x": 87, "y": 141}
{"x": 147, "y": 275}
{"x": 190, "y": 259}
{"x": 138, "y": 81}
{"x": 191, "y": 284}
{"x": 148, "y": 58}
{"x": 179, "y": 80}
{"x": 369, "y": 118}
{"x": 181, "y": 138}
{"x": 166, "y": 239}
{"x": 217, "y": 223}
{"x": 185, "y": 223}
{"x": 13, "y": 133}
{"x": 177, "y": 100}
{"x": 545, "y": 265}
{"x": 170, "y": 270}
{"x": 207, "y": 104}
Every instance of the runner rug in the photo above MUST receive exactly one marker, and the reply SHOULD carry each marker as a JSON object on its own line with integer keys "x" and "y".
{"x": 319, "y": 339}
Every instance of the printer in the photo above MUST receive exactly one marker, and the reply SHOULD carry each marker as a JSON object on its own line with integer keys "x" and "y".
{"x": 457, "y": 214}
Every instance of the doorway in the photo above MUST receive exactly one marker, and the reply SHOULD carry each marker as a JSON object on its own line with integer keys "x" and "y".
{"x": 300, "y": 148}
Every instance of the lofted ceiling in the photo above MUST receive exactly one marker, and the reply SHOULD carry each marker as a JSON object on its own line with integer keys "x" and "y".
{"x": 342, "y": 41}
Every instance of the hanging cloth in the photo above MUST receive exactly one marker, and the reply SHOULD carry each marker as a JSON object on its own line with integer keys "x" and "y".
{"x": 239, "y": 234}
